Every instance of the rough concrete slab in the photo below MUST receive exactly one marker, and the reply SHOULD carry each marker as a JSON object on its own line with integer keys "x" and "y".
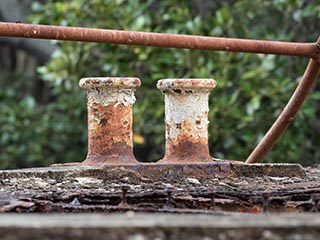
{"x": 159, "y": 226}
{"x": 271, "y": 170}
{"x": 99, "y": 189}
{"x": 158, "y": 171}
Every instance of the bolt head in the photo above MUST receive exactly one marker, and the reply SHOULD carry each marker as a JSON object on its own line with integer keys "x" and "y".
{"x": 170, "y": 189}
{"x": 266, "y": 195}
{"x": 125, "y": 187}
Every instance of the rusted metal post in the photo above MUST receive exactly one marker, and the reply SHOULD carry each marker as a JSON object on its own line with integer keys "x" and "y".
{"x": 110, "y": 103}
{"x": 186, "y": 117}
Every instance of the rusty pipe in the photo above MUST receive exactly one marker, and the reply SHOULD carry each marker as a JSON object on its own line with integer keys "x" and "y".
{"x": 110, "y": 103}
{"x": 186, "y": 117}
{"x": 158, "y": 39}
{"x": 287, "y": 115}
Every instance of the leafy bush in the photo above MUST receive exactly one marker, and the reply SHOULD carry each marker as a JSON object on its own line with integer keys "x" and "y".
{"x": 251, "y": 92}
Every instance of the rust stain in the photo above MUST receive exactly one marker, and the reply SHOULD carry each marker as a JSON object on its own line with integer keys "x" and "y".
{"x": 110, "y": 136}
{"x": 188, "y": 147}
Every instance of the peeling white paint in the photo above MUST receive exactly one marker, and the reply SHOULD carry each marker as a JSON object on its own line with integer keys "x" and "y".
{"x": 187, "y": 109}
{"x": 106, "y": 90}
{"x": 106, "y": 96}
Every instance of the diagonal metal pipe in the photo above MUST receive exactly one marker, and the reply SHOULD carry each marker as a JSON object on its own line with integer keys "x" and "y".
{"x": 287, "y": 115}
{"x": 157, "y": 39}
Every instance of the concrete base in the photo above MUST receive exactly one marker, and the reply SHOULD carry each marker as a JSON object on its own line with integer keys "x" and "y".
{"x": 159, "y": 226}
{"x": 236, "y": 188}
{"x": 156, "y": 171}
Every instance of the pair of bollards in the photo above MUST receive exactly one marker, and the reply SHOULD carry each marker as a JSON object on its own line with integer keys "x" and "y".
{"x": 110, "y": 102}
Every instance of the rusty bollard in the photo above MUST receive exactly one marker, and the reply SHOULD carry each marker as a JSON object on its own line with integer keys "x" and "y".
{"x": 186, "y": 117}
{"x": 110, "y": 103}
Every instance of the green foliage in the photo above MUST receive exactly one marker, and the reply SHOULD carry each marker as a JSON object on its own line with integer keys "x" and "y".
{"x": 251, "y": 92}
{"x": 32, "y": 132}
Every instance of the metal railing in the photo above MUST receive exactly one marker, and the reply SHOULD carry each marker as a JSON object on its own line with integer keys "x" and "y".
{"x": 309, "y": 50}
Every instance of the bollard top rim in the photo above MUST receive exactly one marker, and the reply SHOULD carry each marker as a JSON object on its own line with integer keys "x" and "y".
{"x": 109, "y": 83}
{"x": 186, "y": 83}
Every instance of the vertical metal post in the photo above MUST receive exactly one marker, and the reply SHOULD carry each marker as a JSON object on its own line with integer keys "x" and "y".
{"x": 110, "y": 103}
{"x": 186, "y": 117}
